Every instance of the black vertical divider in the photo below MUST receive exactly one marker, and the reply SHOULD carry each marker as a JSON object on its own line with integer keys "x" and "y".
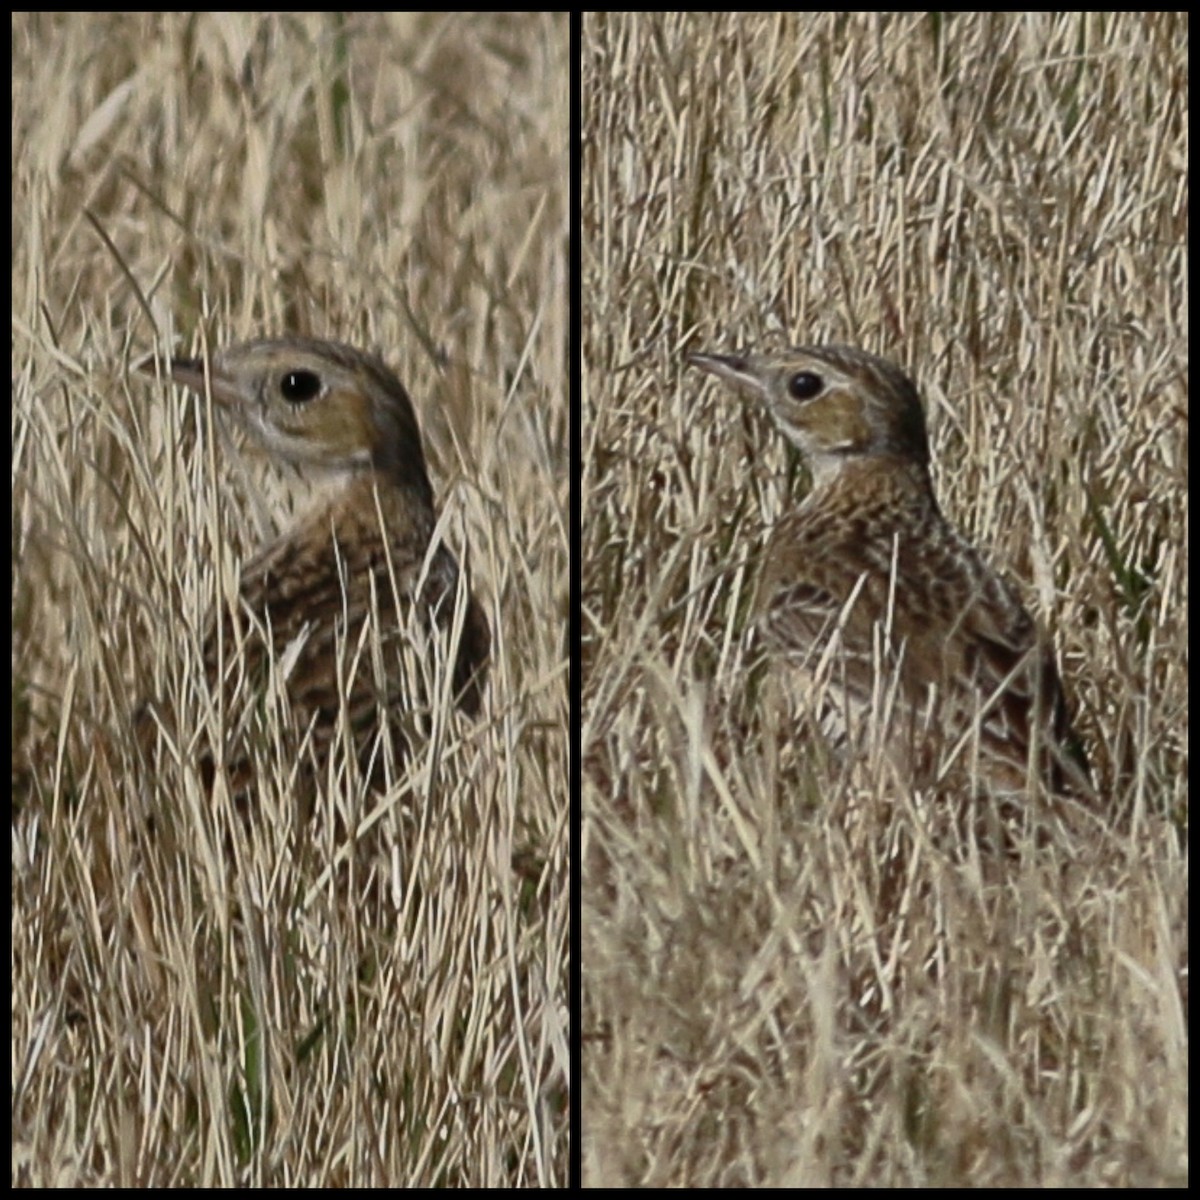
{"x": 576, "y": 601}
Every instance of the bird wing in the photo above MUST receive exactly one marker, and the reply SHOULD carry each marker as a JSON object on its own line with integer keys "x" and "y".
{"x": 995, "y": 668}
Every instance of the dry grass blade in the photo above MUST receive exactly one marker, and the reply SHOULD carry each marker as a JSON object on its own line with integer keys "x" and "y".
{"x": 211, "y": 988}
{"x": 798, "y": 968}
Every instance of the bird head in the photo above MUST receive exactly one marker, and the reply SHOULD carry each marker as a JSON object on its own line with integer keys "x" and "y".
{"x": 834, "y": 403}
{"x": 313, "y": 404}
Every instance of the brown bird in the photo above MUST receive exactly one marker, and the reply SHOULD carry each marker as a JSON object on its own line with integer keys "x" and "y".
{"x": 868, "y": 585}
{"x": 358, "y": 564}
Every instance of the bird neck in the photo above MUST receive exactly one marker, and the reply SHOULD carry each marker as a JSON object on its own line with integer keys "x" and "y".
{"x": 890, "y": 495}
{"x": 369, "y": 506}
{"x": 868, "y": 475}
{"x": 403, "y": 505}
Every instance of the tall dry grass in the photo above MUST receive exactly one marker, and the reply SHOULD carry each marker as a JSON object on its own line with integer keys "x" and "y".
{"x": 786, "y": 978}
{"x": 198, "y": 1001}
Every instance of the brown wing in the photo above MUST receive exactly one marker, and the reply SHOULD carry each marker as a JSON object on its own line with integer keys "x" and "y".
{"x": 475, "y": 642}
{"x": 971, "y": 638}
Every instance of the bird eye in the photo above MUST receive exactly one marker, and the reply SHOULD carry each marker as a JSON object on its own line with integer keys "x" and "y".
{"x": 804, "y": 385}
{"x": 298, "y": 387}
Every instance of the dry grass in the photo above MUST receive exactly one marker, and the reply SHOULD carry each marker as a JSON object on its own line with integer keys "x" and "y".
{"x": 1000, "y": 203}
{"x": 202, "y": 1002}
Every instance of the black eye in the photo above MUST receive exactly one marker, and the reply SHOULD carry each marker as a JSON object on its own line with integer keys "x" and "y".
{"x": 804, "y": 385}
{"x": 298, "y": 387}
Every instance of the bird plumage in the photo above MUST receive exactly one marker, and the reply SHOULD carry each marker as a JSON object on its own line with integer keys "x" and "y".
{"x": 867, "y": 581}
{"x": 362, "y": 554}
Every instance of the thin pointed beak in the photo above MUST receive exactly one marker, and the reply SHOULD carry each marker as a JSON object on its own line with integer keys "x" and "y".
{"x": 189, "y": 373}
{"x": 736, "y": 369}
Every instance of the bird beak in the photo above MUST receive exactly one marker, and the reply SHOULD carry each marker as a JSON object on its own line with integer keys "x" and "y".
{"x": 189, "y": 373}
{"x": 736, "y": 369}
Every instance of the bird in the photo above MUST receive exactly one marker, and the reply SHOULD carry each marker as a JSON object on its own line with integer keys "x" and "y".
{"x": 361, "y": 561}
{"x": 867, "y": 585}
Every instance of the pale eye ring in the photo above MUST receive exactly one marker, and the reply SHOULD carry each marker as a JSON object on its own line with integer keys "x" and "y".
{"x": 299, "y": 387}
{"x": 804, "y": 385}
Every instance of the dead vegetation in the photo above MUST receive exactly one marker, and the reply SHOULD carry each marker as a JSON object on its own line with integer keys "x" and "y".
{"x": 201, "y": 1000}
{"x": 788, "y": 978}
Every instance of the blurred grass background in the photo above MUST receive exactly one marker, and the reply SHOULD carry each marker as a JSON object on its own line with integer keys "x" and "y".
{"x": 998, "y": 202}
{"x": 184, "y": 1015}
